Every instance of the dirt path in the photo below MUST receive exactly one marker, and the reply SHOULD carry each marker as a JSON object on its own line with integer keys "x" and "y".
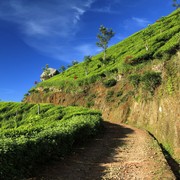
{"x": 121, "y": 153}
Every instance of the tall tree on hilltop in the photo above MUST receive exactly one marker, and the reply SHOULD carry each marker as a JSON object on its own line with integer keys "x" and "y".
{"x": 62, "y": 69}
{"x": 74, "y": 62}
{"x": 104, "y": 36}
{"x": 46, "y": 70}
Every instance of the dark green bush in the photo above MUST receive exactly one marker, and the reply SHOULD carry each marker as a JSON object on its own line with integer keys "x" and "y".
{"x": 93, "y": 79}
{"x": 46, "y": 90}
{"x": 90, "y": 104}
{"x": 135, "y": 80}
{"x": 119, "y": 93}
{"x": 151, "y": 80}
{"x": 109, "y": 96}
{"x": 110, "y": 83}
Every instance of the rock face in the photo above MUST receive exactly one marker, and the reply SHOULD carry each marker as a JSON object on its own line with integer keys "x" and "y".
{"x": 48, "y": 73}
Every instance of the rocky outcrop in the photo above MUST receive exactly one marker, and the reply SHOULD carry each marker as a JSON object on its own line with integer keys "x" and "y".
{"x": 48, "y": 73}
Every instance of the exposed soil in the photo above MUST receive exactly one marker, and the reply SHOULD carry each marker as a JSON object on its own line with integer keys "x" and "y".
{"x": 120, "y": 153}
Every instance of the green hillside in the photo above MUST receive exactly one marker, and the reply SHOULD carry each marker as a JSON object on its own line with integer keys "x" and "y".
{"x": 158, "y": 41}
{"x": 139, "y": 83}
{"x": 31, "y": 134}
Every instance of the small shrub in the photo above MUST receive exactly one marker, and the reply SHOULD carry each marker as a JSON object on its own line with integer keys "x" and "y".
{"x": 32, "y": 91}
{"x": 166, "y": 56}
{"x": 119, "y": 93}
{"x": 103, "y": 75}
{"x": 25, "y": 95}
{"x": 46, "y": 90}
{"x": 126, "y": 97}
{"x": 170, "y": 86}
{"x": 150, "y": 81}
{"x": 92, "y": 79}
{"x": 93, "y": 95}
{"x": 135, "y": 80}
{"x": 110, "y": 83}
{"x": 90, "y": 104}
{"x": 109, "y": 95}
{"x": 114, "y": 70}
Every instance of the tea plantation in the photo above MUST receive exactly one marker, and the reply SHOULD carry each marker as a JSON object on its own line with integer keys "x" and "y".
{"x": 158, "y": 41}
{"x": 32, "y": 134}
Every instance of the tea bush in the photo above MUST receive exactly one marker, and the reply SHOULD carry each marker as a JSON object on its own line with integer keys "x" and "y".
{"x": 151, "y": 80}
{"x": 110, "y": 83}
{"x": 28, "y": 139}
{"x": 135, "y": 80}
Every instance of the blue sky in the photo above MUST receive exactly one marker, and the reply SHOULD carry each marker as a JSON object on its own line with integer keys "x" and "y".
{"x": 34, "y": 33}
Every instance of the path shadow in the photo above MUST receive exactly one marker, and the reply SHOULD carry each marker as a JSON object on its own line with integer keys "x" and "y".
{"x": 175, "y": 166}
{"x": 89, "y": 160}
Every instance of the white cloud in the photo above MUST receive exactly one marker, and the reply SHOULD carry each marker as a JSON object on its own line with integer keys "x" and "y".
{"x": 44, "y": 18}
{"x": 135, "y": 23}
{"x": 108, "y": 8}
{"x": 87, "y": 49}
{"x": 79, "y": 10}
{"x": 142, "y": 22}
{"x": 46, "y": 25}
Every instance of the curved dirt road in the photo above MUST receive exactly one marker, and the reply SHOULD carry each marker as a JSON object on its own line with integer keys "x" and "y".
{"x": 120, "y": 153}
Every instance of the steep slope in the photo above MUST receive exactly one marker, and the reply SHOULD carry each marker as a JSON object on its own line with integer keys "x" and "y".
{"x": 138, "y": 83}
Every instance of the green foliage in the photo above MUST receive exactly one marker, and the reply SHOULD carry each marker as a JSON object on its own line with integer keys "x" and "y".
{"x": 87, "y": 59}
{"x": 104, "y": 36}
{"x": 26, "y": 95}
{"x": 135, "y": 80}
{"x": 62, "y": 69}
{"x": 150, "y": 81}
{"x": 74, "y": 62}
{"x": 170, "y": 86}
{"x": 109, "y": 96}
{"x": 90, "y": 100}
{"x": 28, "y": 139}
{"x": 46, "y": 70}
{"x": 110, "y": 83}
{"x": 90, "y": 103}
{"x": 33, "y": 90}
{"x": 46, "y": 90}
{"x": 125, "y": 97}
{"x": 119, "y": 93}
{"x": 172, "y": 76}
